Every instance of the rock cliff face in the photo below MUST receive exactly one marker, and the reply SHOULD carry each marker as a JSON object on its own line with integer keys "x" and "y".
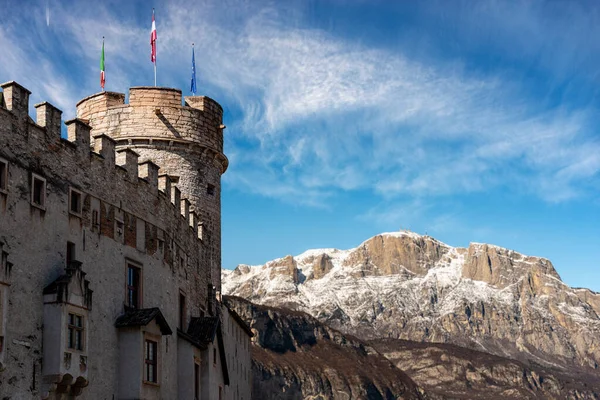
{"x": 403, "y": 285}
{"x": 297, "y": 357}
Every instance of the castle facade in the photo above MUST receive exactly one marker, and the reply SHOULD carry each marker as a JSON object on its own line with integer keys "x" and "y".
{"x": 110, "y": 244}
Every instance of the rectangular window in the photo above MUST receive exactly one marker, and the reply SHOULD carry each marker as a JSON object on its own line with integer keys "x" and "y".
{"x": 214, "y": 356}
{"x": 182, "y": 311}
{"x": 196, "y": 381}
{"x": 95, "y": 219}
{"x": 70, "y": 253}
{"x": 75, "y": 332}
{"x": 133, "y": 286}
{"x": 210, "y": 190}
{"x": 1, "y": 319}
{"x": 3, "y": 175}
{"x": 38, "y": 191}
{"x": 151, "y": 361}
{"x": 75, "y": 201}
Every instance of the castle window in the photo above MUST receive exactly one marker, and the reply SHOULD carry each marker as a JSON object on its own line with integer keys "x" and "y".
{"x": 38, "y": 191}
{"x": 210, "y": 190}
{"x": 120, "y": 225}
{"x": 95, "y": 219}
{"x": 75, "y": 201}
{"x": 215, "y": 356}
{"x": 3, "y": 175}
{"x": 196, "y": 381}
{"x": 150, "y": 361}
{"x": 133, "y": 286}
{"x": 70, "y": 253}
{"x": 75, "y": 333}
{"x": 1, "y": 320}
{"x": 182, "y": 312}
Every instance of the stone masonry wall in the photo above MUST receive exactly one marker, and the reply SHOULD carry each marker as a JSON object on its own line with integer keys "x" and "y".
{"x": 186, "y": 141}
{"x": 155, "y": 234}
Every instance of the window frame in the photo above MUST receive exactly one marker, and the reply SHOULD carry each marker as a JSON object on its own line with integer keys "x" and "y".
{"x": 74, "y": 330}
{"x": 4, "y": 176}
{"x": 151, "y": 363}
{"x": 78, "y": 193}
{"x": 134, "y": 266}
{"x": 42, "y": 204}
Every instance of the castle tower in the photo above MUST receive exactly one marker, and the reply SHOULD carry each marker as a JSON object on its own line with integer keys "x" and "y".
{"x": 186, "y": 141}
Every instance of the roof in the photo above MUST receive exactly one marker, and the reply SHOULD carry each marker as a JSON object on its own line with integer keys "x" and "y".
{"x": 203, "y": 329}
{"x": 142, "y": 317}
{"x": 53, "y": 287}
{"x": 240, "y": 321}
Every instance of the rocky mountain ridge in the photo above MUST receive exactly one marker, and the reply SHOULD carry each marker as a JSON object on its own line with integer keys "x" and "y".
{"x": 407, "y": 286}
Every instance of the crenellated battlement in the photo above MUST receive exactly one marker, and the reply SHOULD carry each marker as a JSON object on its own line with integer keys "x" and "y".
{"x": 93, "y": 162}
{"x": 156, "y": 117}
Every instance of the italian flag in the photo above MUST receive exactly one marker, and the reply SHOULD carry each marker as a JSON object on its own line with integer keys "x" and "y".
{"x": 102, "y": 77}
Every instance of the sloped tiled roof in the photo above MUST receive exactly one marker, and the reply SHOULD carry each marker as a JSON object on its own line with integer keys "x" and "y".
{"x": 203, "y": 329}
{"x": 142, "y": 317}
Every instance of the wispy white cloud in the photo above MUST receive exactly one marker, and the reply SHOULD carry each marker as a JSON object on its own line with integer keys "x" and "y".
{"x": 320, "y": 114}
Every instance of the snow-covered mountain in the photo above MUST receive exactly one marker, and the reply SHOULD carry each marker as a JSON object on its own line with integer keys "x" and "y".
{"x": 408, "y": 286}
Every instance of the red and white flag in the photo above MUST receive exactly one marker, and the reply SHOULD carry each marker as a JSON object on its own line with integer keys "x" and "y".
{"x": 153, "y": 40}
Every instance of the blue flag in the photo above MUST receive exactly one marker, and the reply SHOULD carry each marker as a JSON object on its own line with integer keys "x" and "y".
{"x": 193, "y": 85}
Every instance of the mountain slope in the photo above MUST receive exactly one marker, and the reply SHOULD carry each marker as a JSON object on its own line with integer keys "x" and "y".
{"x": 461, "y": 373}
{"x": 297, "y": 357}
{"x": 294, "y": 356}
{"x": 407, "y": 286}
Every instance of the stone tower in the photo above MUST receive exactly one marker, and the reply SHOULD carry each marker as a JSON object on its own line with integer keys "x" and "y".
{"x": 185, "y": 140}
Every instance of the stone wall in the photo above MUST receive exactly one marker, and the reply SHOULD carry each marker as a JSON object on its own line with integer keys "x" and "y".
{"x": 128, "y": 213}
{"x": 185, "y": 140}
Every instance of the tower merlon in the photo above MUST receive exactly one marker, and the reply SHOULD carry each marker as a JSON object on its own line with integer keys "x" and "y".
{"x": 149, "y": 171}
{"x": 206, "y": 104}
{"x": 128, "y": 159}
{"x": 99, "y": 102}
{"x": 154, "y": 96}
{"x": 78, "y": 133}
{"x": 164, "y": 184}
{"x": 185, "y": 210}
{"x": 16, "y": 99}
{"x": 194, "y": 219}
{"x": 105, "y": 146}
{"x": 49, "y": 117}
{"x": 176, "y": 198}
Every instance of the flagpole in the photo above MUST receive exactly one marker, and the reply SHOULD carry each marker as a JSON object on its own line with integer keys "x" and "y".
{"x": 103, "y": 58}
{"x": 154, "y": 73}
{"x": 193, "y": 86}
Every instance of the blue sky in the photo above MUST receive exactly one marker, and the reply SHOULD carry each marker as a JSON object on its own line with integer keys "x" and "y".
{"x": 469, "y": 121}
